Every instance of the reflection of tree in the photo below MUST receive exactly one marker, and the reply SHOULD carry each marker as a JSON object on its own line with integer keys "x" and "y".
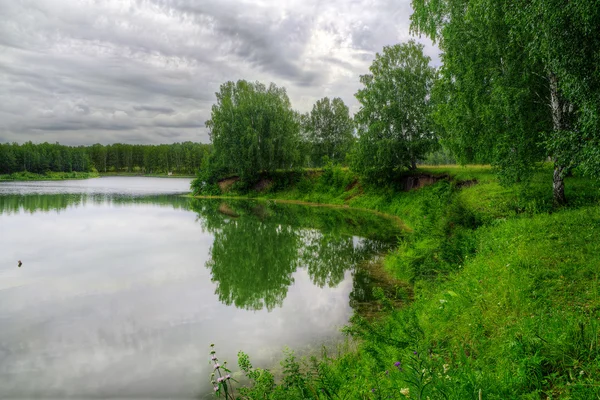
{"x": 252, "y": 262}
{"x": 258, "y": 246}
{"x": 32, "y": 203}
{"x": 328, "y": 257}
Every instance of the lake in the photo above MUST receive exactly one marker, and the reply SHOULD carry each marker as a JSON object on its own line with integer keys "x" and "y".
{"x": 125, "y": 284}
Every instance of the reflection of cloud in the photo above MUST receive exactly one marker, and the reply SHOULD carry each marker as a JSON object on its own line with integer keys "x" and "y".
{"x": 115, "y": 299}
{"x": 85, "y": 72}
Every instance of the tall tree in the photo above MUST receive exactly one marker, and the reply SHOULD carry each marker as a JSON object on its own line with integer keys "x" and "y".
{"x": 394, "y": 119}
{"x": 329, "y": 130}
{"x": 519, "y": 81}
{"x": 563, "y": 36}
{"x": 253, "y": 129}
{"x": 490, "y": 96}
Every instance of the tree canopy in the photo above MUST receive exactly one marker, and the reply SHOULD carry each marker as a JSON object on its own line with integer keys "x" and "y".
{"x": 519, "y": 82}
{"x": 253, "y": 129}
{"x": 329, "y": 130}
{"x": 393, "y": 122}
{"x": 182, "y": 158}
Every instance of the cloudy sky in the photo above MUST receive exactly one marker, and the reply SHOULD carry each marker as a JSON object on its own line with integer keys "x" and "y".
{"x": 145, "y": 71}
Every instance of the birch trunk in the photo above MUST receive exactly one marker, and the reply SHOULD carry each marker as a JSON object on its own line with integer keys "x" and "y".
{"x": 558, "y": 106}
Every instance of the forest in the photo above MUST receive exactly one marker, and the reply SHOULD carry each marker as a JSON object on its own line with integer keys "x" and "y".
{"x": 519, "y": 86}
{"x": 179, "y": 158}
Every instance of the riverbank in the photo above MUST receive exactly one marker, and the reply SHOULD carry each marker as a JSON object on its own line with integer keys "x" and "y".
{"x": 48, "y": 176}
{"x": 506, "y": 296}
{"x": 141, "y": 174}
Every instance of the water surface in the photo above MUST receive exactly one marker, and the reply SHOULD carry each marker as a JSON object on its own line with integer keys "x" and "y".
{"x": 124, "y": 284}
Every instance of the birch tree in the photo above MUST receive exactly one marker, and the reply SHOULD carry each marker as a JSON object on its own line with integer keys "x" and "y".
{"x": 329, "y": 129}
{"x": 394, "y": 126}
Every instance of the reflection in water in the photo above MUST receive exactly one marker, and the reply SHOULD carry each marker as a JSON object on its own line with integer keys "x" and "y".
{"x": 14, "y": 204}
{"x": 121, "y": 292}
{"x": 45, "y": 196}
{"x": 252, "y": 263}
{"x": 255, "y": 253}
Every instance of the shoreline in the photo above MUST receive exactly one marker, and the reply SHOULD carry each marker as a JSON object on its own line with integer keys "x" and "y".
{"x": 65, "y": 176}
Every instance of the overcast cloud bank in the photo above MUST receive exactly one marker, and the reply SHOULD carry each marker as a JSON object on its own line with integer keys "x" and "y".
{"x": 145, "y": 71}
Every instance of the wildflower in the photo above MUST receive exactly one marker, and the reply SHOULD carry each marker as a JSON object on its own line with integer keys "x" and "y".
{"x": 398, "y": 365}
{"x": 216, "y": 388}
{"x": 373, "y": 390}
{"x": 216, "y": 366}
{"x": 415, "y": 352}
{"x": 213, "y": 357}
{"x": 221, "y": 379}
{"x": 227, "y": 376}
{"x": 405, "y": 392}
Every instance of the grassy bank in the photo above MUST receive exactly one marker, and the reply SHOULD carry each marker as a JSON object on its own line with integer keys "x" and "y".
{"x": 507, "y": 301}
{"x": 48, "y": 176}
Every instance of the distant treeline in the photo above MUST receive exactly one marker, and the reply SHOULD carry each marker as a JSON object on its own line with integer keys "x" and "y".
{"x": 182, "y": 158}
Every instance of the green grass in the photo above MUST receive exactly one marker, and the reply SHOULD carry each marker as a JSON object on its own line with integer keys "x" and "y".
{"x": 506, "y": 291}
{"x": 48, "y": 176}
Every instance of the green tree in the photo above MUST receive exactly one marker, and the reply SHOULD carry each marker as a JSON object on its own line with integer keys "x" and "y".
{"x": 394, "y": 119}
{"x": 489, "y": 97}
{"x": 253, "y": 129}
{"x": 562, "y": 35}
{"x": 519, "y": 82}
{"x": 329, "y": 131}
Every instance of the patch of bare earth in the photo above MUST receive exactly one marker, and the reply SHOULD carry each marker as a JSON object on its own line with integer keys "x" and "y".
{"x": 412, "y": 182}
{"x": 263, "y": 185}
{"x": 350, "y": 188}
{"x": 226, "y": 184}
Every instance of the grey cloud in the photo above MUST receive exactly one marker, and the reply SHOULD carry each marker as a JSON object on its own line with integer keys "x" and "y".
{"x": 160, "y": 110}
{"x": 147, "y": 70}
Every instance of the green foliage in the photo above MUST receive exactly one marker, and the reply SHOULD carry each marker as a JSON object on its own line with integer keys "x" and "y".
{"x": 207, "y": 177}
{"x": 33, "y": 203}
{"x": 562, "y": 35}
{"x": 441, "y": 156}
{"x": 253, "y": 129}
{"x": 48, "y": 176}
{"x": 179, "y": 158}
{"x": 506, "y": 296}
{"x": 519, "y": 83}
{"x": 42, "y": 158}
{"x": 491, "y": 98}
{"x": 394, "y": 119}
{"x": 257, "y": 247}
{"x": 329, "y": 131}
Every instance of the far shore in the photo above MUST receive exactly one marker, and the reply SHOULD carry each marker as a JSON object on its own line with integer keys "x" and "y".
{"x": 61, "y": 176}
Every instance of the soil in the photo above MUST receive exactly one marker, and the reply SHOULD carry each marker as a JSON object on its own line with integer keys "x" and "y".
{"x": 226, "y": 184}
{"x": 412, "y": 182}
{"x": 263, "y": 185}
